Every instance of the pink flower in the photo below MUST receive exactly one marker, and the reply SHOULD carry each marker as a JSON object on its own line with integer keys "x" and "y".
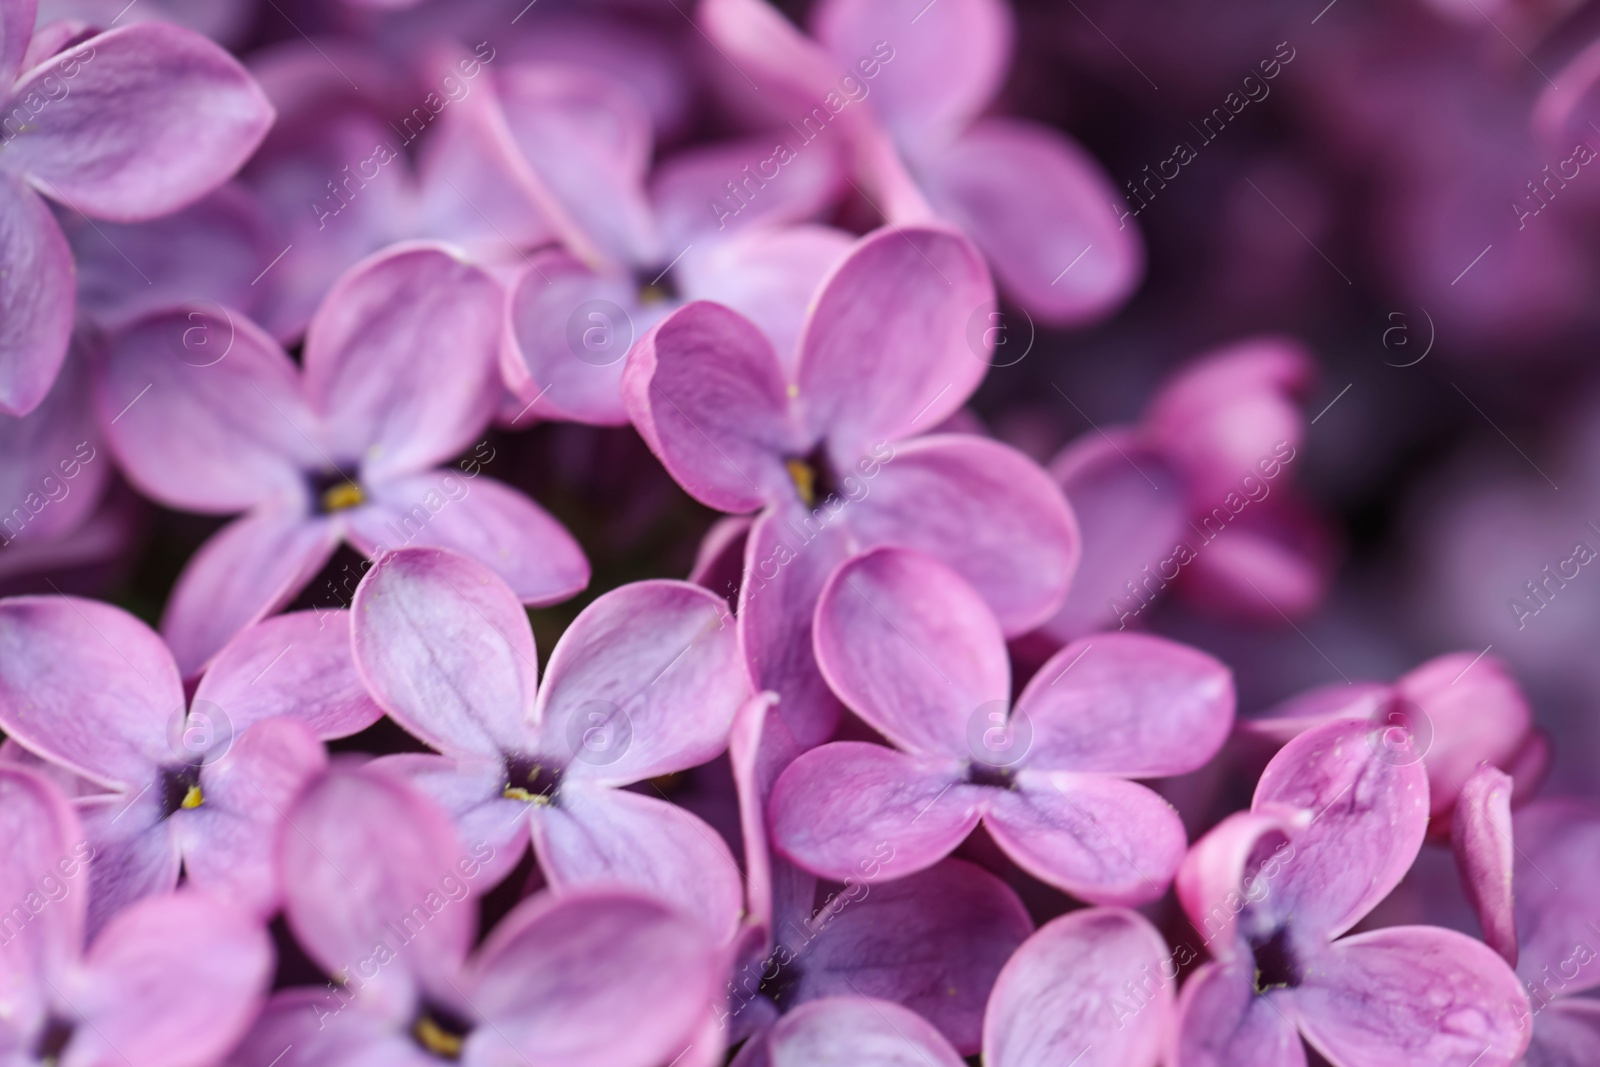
{"x": 398, "y": 376}
{"x": 910, "y": 648}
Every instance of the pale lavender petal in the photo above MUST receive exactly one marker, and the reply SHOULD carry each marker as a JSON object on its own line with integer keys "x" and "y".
{"x": 297, "y": 665}
{"x": 45, "y": 874}
{"x": 316, "y": 1028}
{"x": 989, "y": 512}
{"x": 1061, "y": 998}
{"x": 835, "y": 805}
{"x": 1042, "y": 210}
{"x": 705, "y": 390}
{"x": 645, "y": 682}
{"x": 854, "y": 1030}
{"x": 446, "y": 649}
{"x": 151, "y": 118}
{"x": 1128, "y": 704}
{"x": 248, "y": 569}
{"x": 558, "y": 976}
{"x": 37, "y": 294}
{"x": 1222, "y": 1022}
{"x": 885, "y": 349}
{"x": 1104, "y": 840}
{"x": 402, "y": 359}
{"x": 1480, "y": 833}
{"x": 595, "y": 836}
{"x": 1370, "y": 805}
{"x": 773, "y": 186}
{"x": 1416, "y": 994}
{"x": 912, "y": 649}
{"x": 480, "y": 518}
{"x": 471, "y": 791}
{"x": 87, "y": 685}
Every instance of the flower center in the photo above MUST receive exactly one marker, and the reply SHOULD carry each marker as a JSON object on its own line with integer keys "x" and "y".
{"x": 1276, "y": 967}
{"x": 655, "y": 287}
{"x": 812, "y": 476}
{"x": 980, "y": 773}
{"x": 783, "y": 981}
{"x": 180, "y": 790}
{"x": 332, "y": 492}
{"x": 535, "y": 779}
{"x": 440, "y": 1031}
{"x": 52, "y": 1042}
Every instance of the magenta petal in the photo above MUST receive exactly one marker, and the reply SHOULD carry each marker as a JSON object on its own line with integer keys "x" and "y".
{"x": 1276, "y": 558}
{"x": 911, "y": 648}
{"x": 215, "y": 952}
{"x": 989, "y": 512}
{"x": 1557, "y": 845}
{"x": 88, "y": 686}
{"x": 1477, "y": 715}
{"x": 835, "y": 805}
{"x": 247, "y": 570}
{"x": 933, "y": 942}
{"x": 560, "y": 973}
{"x": 851, "y": 1030}
{"x": 692, "y": 201}
{"x": 1128, "y": 704}
{"x": 480, "y": 518}
{"x": 155, "y": 117}
{"x": 645, "y": 682}
{"x": 37, "y": 294}
{"x": 1480, "y": 833}
{"x": 886, "y": 350}
{"x": 1316, "y": 707}
{"x": 44, "y": 841}
{"x": 1370, "y": 812}
{"x": 297, "y": 665}
{"x": 705, "y": 390}
{"x": 204, "y": 412}
{"x": 594, "y": 836}
{"x": 759, "y": 748}
{"x": 402, "y": 359}
{"x": 1231, "y": 865}
{"x": 1043, "y": 211}
{"x": 1061, "y": 998}
{"x": 1223, "y": 1023}
{"x": 1416, "y": 994}
{"x": 446, "y": 649}
{"x": 1104, "y": 840}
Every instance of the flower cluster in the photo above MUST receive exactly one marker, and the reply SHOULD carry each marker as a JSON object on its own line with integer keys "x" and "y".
{"x": 527, "y": 537}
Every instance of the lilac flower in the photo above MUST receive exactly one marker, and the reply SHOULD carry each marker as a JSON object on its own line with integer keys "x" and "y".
{"x": 850, "y": 1029}
{"x": 911, "y": 648}
{"x": 382, "y": 902}
{"x": 172, "y": 981}
{"x": 1461, "y": 710}
{"x": 53, "y": 470}
{"x": 645, "y": 682}
{"x": 932, "y": 942}
{"x": 124, "y": 125}
{"x": 1198, "y": 494}
{"x": 398, "y": 376}
{"x": 193, "y": 784}
{"x": 821, "y": 440}
{"x": 1336, "y": 822}
{"x": 906, "y": 83}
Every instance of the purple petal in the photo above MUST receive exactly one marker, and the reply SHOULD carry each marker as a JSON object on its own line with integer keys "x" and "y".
{"x": 1316, "y": 707}
{"x": 1222, "y": 1022}
{"x": 152, "y": 118}
{"x": 1567, "y": 1035}
{"x": 374, "y": 864}
{"x": 315, "y": 1028}
{"x": 1128, "y": 704}
{"x": 1061, "y": 998}
{"x": 1232, "y": 867}
{"x": 1480, "y": 833}
{"x": 45, "y": 853}
{"x": 912, "y": 649}
{"x": 135, "y": 853}
{"x": 481, "y": 518}
{"x": 1104, "y": 840}
{"x": 1557, "y": 843}
{"x": 297, "y": 665}
{"x": 88, "y": 686}
{"x": 836, "y": 805}
{"x": 692, "y": 201}
{"x": 594, "y": 836}
{"x": 854, "y": 1030}
{"x": 218, "y": 955}
{"x": 1277, "y": 557}
{"x": 248, "y": 569}
{"x": 489, "y": 824}
{"x": 933, "y": 942}
{"x": 48, "y": 464}
{"x": 204, "y": 412}
{"x": 990, "y": 513}
{"x": 1418, "y": 994}
{"x": 446, "y": 649}
{"x": 16, "y": 30}
{"x": 37, "y": 294}
{"x": 1370, "y": 805}
{"x": 719, "y": 561}
{"x": 759, "y": 748}
{"x": 1041, "y": 208}
{"x": 559, "y": 974}
{"x": 705, "y": 390}
{"x": 885, "y": 349}
{"x": 1477, "y": 713}
{"x": 402, "y": 359}
{"x": 645, "y": 682}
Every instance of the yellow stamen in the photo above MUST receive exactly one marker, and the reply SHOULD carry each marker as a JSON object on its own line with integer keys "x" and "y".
{"x": 804, "y": 478}
{"x": 341, "y": 496}
{"x": 193, "y": 798}
{"x": 513, "y": 792}
{"x": 437, "y": 1040}
{"x": 653, "y": 294}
